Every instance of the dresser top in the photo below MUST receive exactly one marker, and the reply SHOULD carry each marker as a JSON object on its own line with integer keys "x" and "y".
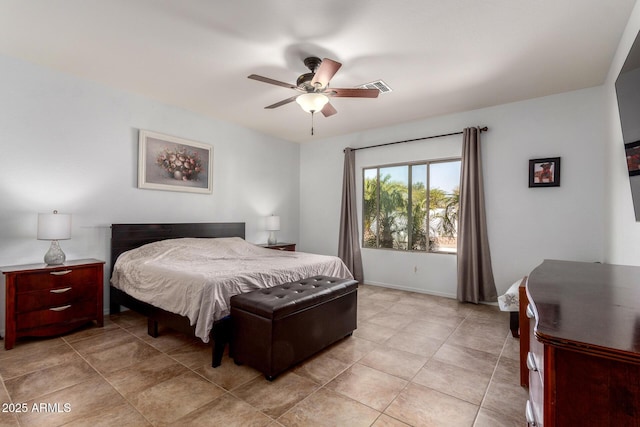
{"x": 45, "y": 267}
{"x": 593, "y": 306}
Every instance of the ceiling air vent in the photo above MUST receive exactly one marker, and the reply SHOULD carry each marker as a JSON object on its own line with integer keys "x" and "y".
{"x": 378, "y": 84}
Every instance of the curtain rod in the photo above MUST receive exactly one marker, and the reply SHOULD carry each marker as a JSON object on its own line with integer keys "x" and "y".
{"x": 482, "y": 129}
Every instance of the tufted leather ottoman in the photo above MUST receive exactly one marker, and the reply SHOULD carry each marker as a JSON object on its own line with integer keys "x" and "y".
{"x": 277, "y": 327}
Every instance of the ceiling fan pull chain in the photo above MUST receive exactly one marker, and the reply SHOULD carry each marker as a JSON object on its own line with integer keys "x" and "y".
{"x": 312, "y": 122}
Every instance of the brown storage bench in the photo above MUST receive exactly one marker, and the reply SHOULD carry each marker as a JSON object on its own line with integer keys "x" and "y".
{"x": 277, "y": 327}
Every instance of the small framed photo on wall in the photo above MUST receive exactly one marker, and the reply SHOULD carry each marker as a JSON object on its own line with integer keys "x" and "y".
{"x": 632, "y": 150}
{"x": 544, "y": 172}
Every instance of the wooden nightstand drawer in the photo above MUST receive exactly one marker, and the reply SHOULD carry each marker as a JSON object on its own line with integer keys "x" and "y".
{"x": 38, "y": 300}
{"x": 59, "y": 278}
{"x": 67, "y": 313}
{"x": 43, "y": 300}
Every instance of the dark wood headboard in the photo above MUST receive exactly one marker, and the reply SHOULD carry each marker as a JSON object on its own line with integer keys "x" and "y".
{"x": 130, "y": 236}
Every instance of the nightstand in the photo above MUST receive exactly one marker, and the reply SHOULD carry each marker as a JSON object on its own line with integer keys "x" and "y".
{"x": 281, "y": 246}
{"x": 44, "y": 300}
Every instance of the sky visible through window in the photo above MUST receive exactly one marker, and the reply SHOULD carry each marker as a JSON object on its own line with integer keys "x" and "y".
{"x": 445, "y": 175}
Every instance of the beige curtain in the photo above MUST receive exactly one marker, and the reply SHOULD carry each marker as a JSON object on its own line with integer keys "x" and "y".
{"x": 475, "y": 275}
{"x": 349, "y": 240}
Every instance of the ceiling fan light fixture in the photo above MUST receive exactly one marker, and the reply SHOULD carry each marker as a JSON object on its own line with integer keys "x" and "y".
{"x": 312, "y": 102}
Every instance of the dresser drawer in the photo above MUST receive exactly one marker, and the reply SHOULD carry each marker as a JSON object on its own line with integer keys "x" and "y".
{"x": 83, "y": 310}
{"x": 55, "y": 297}
{"x": 61, "y": 278}
{"x": 536, "y": 399}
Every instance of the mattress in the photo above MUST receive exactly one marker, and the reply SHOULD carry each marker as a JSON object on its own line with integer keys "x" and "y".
{"x": 196, "y": 278}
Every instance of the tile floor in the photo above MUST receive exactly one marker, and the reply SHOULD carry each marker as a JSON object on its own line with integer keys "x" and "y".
{"x": 414, "y": 360}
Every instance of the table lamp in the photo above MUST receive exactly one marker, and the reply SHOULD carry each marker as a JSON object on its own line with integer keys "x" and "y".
{"x": 54, "y": 226}
{"x": 273, "y": 225}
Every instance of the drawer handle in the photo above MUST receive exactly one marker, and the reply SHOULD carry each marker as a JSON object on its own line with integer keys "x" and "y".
{"x": 528, "y": 413}
{"x": 531, "y": 362}
{"x": 60, "y": 273}
{"x": 60, "y": 291}
{"x": 530, "y": 313}
{"x": 61, "y": 308}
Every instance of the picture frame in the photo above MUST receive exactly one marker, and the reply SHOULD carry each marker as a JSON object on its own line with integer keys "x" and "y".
{"x": 170, "y": 163}
{"x": 632, "y": 151}
{"x": 544, "y": 172}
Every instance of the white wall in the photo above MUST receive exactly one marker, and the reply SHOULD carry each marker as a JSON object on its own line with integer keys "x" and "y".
{"x": 71, "y": 145}
{"x": 622, "y": 237}
{"x": 526, "y": 225}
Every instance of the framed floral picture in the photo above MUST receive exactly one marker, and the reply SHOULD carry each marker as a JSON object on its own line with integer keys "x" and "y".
{"x": 544, "y": 172}
{"x": 174, "y": 164}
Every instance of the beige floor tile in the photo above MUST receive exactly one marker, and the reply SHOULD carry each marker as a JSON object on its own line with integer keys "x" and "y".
{"x": 48, "y": 380}
{"x": 41, "y": 356}
{"x": 390, "y": 320}
{"x": 228, "y": 375}
{"x": 394, "y": 362}
{"x": 419, "y": 344}
{"x": 465, "y": 357}
{"x": 276, "y": 397}
{"x": 8, "y": 419}
{"x": 373, "y": 332}
{"x": 123, "y": 415}
{"x": 193, "y": 355}
{"x": 368, "y": 386}
{"x": 506, "y": 398}
{"x": 465, "y": 384}
{"x": 478, "y": 341}
{"x": 386, "y": 421}
{"x": 421, "y": 406}
{"x": 174, "y": 398}
{"x": 74, "y": 403}
{"x": 511, "y": 348}
{"x": 144, "y": 374}
{"x": 227, "y": 411}
{"x": 350, "y": 350}
{"x": 128, "y": 318}
{"x": 328, "y": 408}
{"x": 488, "y": 418}
{"x": 507, "y": 371}
{"x": 125, "y": 353}
{"x": 28, "y": 346}
{"x": 97, "y": 343}
{"x": 90, "y": 330}
{"x": 167, "y": 339}
{"x": 429, "y": 329}
{"x": 321, "y": 369}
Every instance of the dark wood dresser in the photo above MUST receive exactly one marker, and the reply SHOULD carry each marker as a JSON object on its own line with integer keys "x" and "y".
{"x": 44, "y": 300}
{"x": 584, "y": 346}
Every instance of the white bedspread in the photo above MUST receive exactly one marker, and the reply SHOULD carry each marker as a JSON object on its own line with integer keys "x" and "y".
{"x": 197, "y": 277}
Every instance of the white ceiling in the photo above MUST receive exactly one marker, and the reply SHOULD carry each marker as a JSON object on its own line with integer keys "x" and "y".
{"x": 438, "y": 56}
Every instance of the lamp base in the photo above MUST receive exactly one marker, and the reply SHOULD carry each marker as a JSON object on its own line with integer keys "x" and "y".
{"x": 54, "y": 255}
{"x": 272, "y": 238}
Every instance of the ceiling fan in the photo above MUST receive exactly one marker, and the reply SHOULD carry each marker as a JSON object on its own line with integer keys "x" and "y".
{"x": 314, "y": 88}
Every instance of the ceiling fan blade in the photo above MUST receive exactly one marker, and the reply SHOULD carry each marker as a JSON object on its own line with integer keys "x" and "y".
{"x": 327, "y": 69}
{"x": 328, "y": 110}
{"x": 353, "y": 92}
{"x": 281, "y": 103}
{"x": 271, "y": 81}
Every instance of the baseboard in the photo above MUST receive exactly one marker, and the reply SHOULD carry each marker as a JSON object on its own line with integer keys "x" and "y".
{"x": 410, "y": 289}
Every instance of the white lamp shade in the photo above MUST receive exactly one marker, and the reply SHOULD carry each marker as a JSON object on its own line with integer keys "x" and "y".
{"x": 312, "y": 101}
{"x": 54, "y": 226}
{"x": 273, "y": 223}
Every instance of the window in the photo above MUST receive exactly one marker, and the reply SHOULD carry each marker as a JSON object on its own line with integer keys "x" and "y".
{"x": 412, "y": 206}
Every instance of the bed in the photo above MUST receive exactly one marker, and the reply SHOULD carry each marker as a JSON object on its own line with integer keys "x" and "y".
{"x": 175, "y": 278}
